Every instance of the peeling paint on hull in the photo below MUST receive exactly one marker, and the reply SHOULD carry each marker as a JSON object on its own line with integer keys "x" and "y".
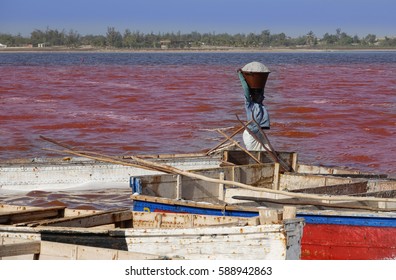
{"x": 326, "y": 235}
{"x": 345, "y": 242}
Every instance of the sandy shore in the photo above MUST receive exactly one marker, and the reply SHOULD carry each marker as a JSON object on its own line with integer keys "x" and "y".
{"x": 190, "y": 50}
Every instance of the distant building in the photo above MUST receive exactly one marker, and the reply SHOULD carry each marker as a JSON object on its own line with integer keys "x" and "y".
{"x": 42, "y": 45}
{"x": 2, "y": 46}
{"x": 165, "y": 44}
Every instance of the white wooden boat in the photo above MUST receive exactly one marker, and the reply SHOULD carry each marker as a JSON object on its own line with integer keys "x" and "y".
{"x": 21, "y": 249}
{"x": 221, "y": 181}
{"x": 69, "y": 173}
{"x": 328, "y": 234}
{"x": 76, "y": 172}
{"x": 330, "y": 201}
{"x": 152, "y": 235}
{"x": 264, "y": 180}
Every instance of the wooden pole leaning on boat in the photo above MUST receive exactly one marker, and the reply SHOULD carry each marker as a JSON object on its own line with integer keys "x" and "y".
{"x": 269, "y": 151}
{"x": 141, "y": 163}
{"x": 225, "y": 141}
{"x": 57, "y": 142}
{"x": 281, "y": 162}
{"x": 239, "y": 146}
{"x": 96, "y": 156}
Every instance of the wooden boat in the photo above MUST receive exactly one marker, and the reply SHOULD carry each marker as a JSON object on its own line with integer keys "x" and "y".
{"x": 328, "y": 184}
{"x": 223, "y": 177}
{"x": 74, "y": 172}
{"x": 19, "y": 249}
{"x": 328, "y": 234}
{"x": 78, "y": 171}
{"x": 125, "y": 234}
{"x": 331, "y": 201}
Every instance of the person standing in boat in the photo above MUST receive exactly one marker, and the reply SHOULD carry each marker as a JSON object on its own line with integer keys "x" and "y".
{"x": 253, "y": 77}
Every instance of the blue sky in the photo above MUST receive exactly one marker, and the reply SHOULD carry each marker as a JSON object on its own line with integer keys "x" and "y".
{"x": 293, "y": 17}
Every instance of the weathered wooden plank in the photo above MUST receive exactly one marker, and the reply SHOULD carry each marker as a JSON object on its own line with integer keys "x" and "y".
{"x": 85, "y": 238}
{"x": 12, "y": 208}
{"x": 339, "y": 189}
{"x": 62, "y": 251}
{"x": 44, "y": 173}
{"x": 171, "y": 220}
{"x": 241, "y": 158}
{"x": 220, "y": 238}
{"x": 295, "y": 181}
{"x": 324, "y": 170}
{"x": 169, "y": 156}
{"x": 268, "y": 202}
{"x": 46, "y": 250}
{"x": 381, "y": 185}
{"x": 337, "y": 171}
{"x": 171, "y": 201}
{"x": 259, "y": 242}
{"x": 289, "y": 212}
{"x": 88, "y": 220}
{"x": 31, "y": 215}
{"x": 384, "y": 194}
{"x": 269, "y": 216}
{"x": 23, "y": 248}
{"x": 197, "y": 189}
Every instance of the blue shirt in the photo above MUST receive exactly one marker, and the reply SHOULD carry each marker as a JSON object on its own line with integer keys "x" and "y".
{"x": 257, "y": 110}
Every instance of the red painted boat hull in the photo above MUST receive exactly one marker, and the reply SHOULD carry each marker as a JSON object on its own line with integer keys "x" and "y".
{"x": 346, "y": 242}
{"x": 345, "y": 236}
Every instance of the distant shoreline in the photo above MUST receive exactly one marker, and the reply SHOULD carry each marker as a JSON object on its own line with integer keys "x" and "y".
{"x": 191, "y": 50}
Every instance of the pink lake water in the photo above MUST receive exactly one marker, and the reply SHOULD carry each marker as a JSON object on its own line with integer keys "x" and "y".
{"x": 332, "y": 108}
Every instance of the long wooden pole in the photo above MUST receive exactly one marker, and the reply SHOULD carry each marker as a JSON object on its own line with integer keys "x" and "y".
{"x": 232, "y": 135}
{"x": 56, "y": 142}
{"x": 109, "y": 159}
{"x": 90, "y": 155}
{"x": 174, "y": 170}
{"x": 281, "y": 162}
{"x": 274, "y": 157}
{"x": 240, "y": 147}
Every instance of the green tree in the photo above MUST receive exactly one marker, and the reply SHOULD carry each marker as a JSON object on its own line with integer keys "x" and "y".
{"x": 37, "y": 37}
{"x": 129, "y": 40}
{"x": 7, "y": 39}
{"x": 49, "y": 36}
{"x": 252, "y": 40}
{"x": 265, "y": 38}
{"x": 344, "y": 39}
{"x": 310, "y": 39}
{"x": 370, "y": 39}
{"x": 98, "y": 41}
{"x": 356, "y": 40}
{"x": 388, "y": 42}
{"x": 329, "y": 39}
{"x": 279, "y": 40}
{"x": 113, "y": 38}
{"x": 55, "y": 37}
{"x": 72, "y": 39}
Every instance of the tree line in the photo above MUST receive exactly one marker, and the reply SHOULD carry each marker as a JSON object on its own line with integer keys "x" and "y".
{"x": 139, "y": 40}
